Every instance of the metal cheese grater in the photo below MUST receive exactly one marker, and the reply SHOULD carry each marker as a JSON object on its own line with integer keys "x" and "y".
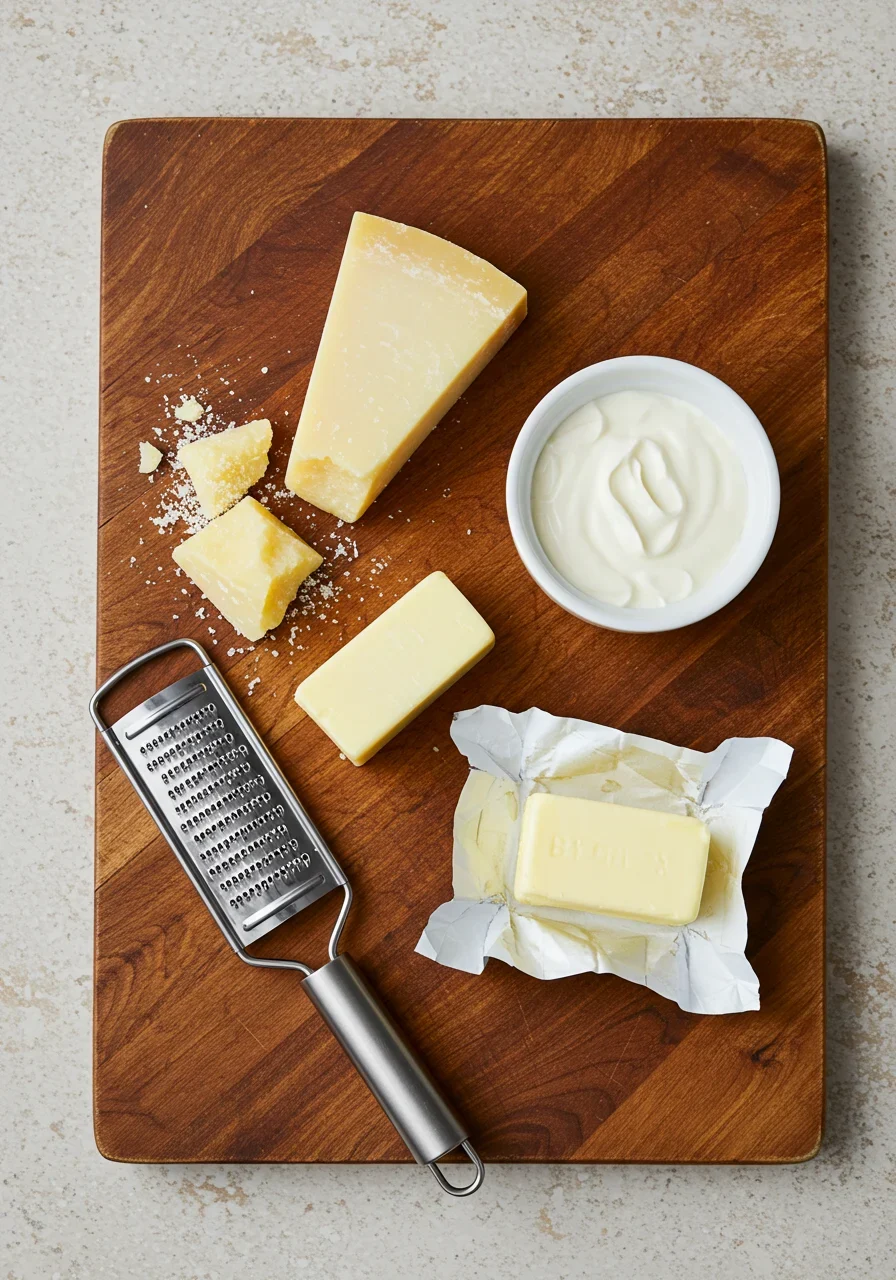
{"x": 257, "y": 859}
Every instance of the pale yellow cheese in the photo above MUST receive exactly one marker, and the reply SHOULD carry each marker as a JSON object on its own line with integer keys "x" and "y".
{"x": 378, "y": 682}
{"x": 587, "y": 855}
{"x": 223, "y": 466}
{"x": 249, "y": 565}
{"x": 189, "y": 411}
{"x": 412, "y": 321}
{"x": 150, "y": 457}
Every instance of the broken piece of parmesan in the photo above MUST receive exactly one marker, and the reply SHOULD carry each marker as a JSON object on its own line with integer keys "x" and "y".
{"x": 223, "y": 466}
{"x": 249, "y": 564}
{"x": 190, "y": 411}
{"x": 150, "y": 457}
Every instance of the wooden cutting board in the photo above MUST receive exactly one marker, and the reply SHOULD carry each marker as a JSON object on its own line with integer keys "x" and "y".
{"x": 704, "y": 240}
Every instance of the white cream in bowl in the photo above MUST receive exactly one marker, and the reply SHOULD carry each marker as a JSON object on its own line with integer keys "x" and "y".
{"x": 642, "y": 494}
{"x": 638, "y": 499}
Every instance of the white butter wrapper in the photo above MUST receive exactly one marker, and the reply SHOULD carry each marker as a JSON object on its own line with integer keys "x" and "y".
{"x": 701, "y": 966}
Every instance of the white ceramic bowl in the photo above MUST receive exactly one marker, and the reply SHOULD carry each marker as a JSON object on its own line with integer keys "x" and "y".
{"x": 722, "y": 406}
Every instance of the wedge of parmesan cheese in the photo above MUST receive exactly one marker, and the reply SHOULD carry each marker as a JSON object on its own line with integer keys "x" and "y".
{"x": 412, "y": 321}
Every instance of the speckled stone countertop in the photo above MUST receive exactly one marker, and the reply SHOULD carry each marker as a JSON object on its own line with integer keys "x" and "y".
{"x": 68, "y": 71}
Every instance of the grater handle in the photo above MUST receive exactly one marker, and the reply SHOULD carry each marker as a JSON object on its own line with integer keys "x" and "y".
{"x": 128, "y": 667}
{"x": 392, "y": 1071}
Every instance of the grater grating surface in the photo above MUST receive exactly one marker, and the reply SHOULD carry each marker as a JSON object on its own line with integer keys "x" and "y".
{"x": 225, "y": 808}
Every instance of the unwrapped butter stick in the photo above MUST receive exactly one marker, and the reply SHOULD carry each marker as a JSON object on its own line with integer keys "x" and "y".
{"x": 375, "y": 685}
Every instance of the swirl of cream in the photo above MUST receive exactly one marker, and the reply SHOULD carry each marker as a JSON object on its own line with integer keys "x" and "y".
{"x": 638, "y": 499}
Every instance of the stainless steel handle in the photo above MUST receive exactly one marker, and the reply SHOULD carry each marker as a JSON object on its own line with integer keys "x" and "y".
{"x": 393, "y": 1073}
{"x": 128, "y": 667}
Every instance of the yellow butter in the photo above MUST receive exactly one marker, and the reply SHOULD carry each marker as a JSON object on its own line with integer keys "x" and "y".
{"x": 587, "y": 855}
{"x": 249, "y": 564}
{"x": 378, "y": 682}
{"x": 412, "y": 321}
{"x": 224, "y": 466}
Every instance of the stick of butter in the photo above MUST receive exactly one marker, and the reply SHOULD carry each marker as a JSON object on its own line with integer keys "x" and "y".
{"x": 588, "y": 855}
{"x": 412, "y": 321}
{"x": 378, "y": 682}
{"x": 249, "y": 564}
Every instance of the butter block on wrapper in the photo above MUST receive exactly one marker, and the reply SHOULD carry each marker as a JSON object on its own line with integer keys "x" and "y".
{"x": 584, "y": 855}
{"x": 701, "y": 965}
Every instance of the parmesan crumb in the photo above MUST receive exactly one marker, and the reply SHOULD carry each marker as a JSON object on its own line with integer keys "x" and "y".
{"x": 190, "y": 411}
{"x": 150, "y": 457}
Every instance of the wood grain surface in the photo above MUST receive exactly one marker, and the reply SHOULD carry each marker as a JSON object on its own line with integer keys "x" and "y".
{"x": 704, "y": 240}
